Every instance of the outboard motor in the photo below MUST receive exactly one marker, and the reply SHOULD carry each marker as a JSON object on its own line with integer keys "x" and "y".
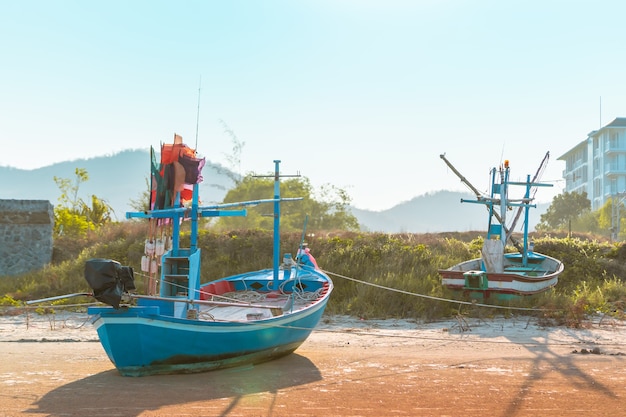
{"x": 109, "y": 280}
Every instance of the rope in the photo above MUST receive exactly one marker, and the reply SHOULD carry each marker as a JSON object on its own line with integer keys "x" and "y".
{"x": 430, "y": 297}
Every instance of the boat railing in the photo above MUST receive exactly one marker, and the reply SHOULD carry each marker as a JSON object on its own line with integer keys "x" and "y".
{"x": 529, "y": 271}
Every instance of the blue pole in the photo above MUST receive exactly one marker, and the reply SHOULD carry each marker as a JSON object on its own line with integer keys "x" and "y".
{"x": 526, "y": 210}
{"x": 194, "y": 220}
{"x": 276, "y": 222}
{"x": 492, "y": 194}
{"x": 176, "y": 228}
{"x": 504, "y": 201}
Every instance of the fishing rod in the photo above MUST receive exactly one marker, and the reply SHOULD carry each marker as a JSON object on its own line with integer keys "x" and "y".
{"x": 60, "y": 297}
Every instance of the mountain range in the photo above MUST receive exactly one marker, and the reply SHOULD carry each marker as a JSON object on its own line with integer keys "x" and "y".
{"x": 117, "y": 180}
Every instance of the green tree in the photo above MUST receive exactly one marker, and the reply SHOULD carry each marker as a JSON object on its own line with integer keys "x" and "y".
{"x": 69, "y": 190}
{"x": 588, "y": 222}
{"x": 99, "y": 213}
{"x": 329, "y": 211}
{"x": 564, "y": 211}
{"x": 74, "y": 217}
{"x": 612, "y": 218}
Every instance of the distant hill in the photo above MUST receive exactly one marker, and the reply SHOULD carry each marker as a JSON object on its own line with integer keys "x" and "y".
{"x": 122, "y": 177}
{"x": 117, "y": 179}
{"x": 440, "y": 211}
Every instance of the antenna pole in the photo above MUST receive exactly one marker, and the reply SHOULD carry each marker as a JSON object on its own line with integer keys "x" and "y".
{"x": 198, "y": 115}
{"x": 600, "y": 112}
{"x": 276, "y": 249}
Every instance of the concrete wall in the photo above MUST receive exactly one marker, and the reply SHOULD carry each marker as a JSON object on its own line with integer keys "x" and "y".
{"x": 25, "y": 235}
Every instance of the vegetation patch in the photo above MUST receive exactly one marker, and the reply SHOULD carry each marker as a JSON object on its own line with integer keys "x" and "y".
{"x": 376, "y": 275}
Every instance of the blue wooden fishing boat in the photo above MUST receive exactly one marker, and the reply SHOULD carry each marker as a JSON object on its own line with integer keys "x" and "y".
{"x": 496, "y": 273}
{"x": 189, "y": 326}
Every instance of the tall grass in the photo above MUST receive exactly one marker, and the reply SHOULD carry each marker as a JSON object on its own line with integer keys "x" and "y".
{"x": 376, "y": 275}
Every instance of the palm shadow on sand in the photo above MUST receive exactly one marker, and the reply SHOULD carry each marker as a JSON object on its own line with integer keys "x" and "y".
{"x": 546, "y": 360}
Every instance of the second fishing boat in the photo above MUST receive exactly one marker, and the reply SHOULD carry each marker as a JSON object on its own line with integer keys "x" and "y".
{"x": 498, "y": 274}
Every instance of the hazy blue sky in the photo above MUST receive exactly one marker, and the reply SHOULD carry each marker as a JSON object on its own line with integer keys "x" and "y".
{"x": 364, "y": 95}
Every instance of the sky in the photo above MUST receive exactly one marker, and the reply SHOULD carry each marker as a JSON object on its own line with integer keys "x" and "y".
{"x": 362, "y": 95}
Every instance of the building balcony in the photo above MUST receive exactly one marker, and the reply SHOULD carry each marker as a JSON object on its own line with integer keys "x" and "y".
{"x": 613, "y": 170}
{"x": 574, "y": 166}
{"x": 612, "y": 149}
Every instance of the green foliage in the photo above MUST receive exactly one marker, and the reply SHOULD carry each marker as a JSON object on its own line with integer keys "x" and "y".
{"x": 610, "y": 213}
{"x": 9, "y": 301}
{"x": 572, "y": 212}
{"x": 604, "y": 215}
{"x": 69, "y": 191}
{"x": 329, "y": 211}
{"x": 68, "y": 222}
{"x": 397, "y": 262}
{"x": 375, "y": 275}
{"x": 74, "y": 217}
{"x": 588, "y": 222}
{"x": 565, "y": 208}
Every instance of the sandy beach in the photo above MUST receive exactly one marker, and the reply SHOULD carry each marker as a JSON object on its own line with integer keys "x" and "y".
{"x": 54, "y": 365}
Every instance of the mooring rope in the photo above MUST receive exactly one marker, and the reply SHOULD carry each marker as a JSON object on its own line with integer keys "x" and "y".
{"x": 430, "y": 297}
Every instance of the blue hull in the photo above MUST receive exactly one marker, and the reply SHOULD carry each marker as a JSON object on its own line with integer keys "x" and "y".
{"x": 140, "y": 341}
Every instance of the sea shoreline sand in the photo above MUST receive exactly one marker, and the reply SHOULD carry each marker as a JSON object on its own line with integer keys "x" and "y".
{"x": 54, "y": 365}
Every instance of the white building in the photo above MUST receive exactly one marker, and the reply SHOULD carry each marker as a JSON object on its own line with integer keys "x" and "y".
{"x": 597, "y": 165}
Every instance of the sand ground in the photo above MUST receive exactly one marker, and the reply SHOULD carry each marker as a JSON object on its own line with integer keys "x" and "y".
{"x": 501, "y": 367}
